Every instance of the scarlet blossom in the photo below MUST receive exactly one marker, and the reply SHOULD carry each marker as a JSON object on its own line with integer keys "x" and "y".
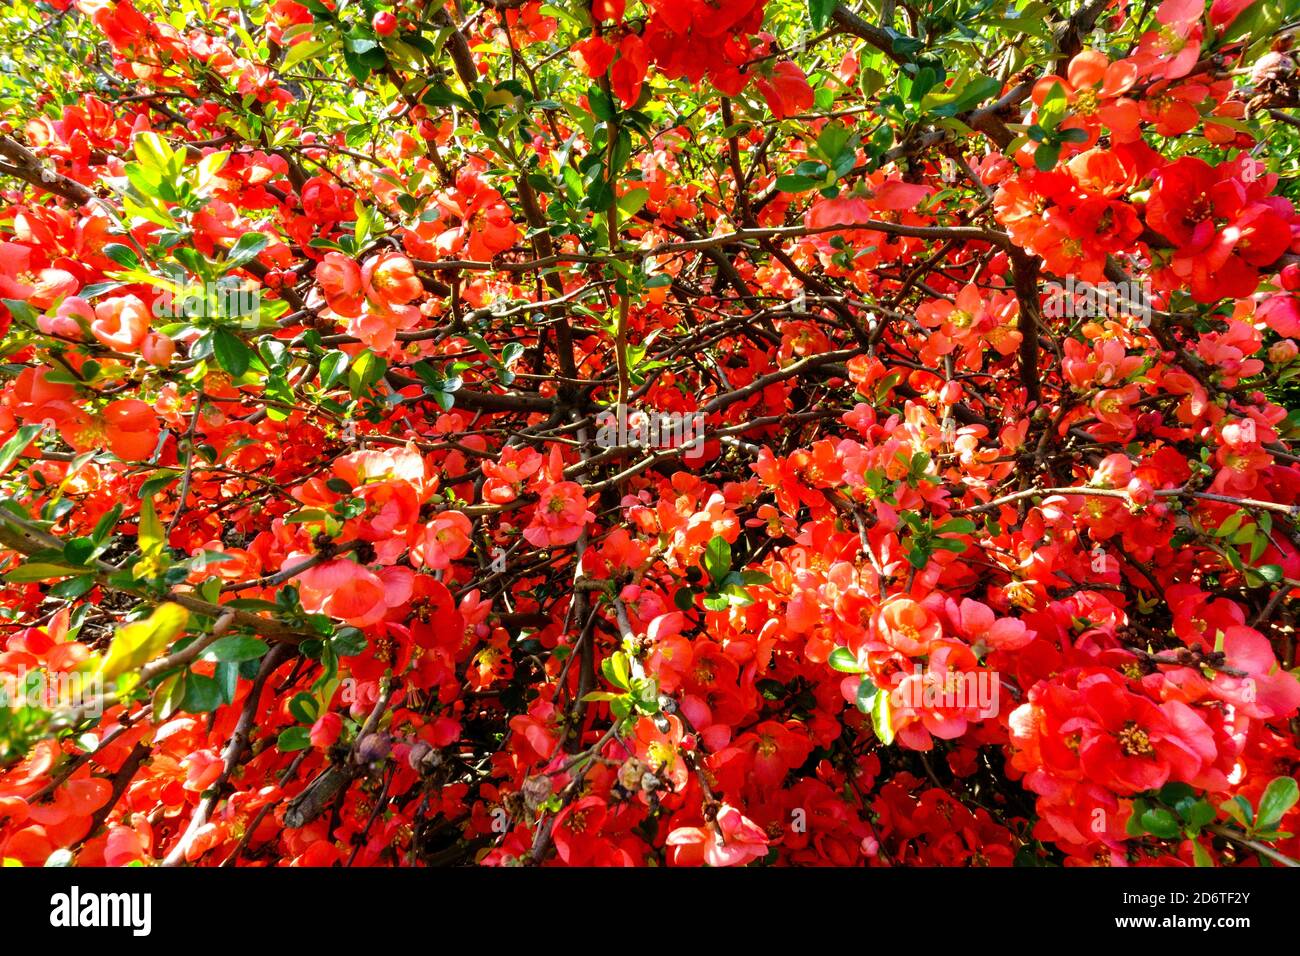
{"x": 1266, "y": 690}
{"x": 560, "y": 516}
{"x": 1094, "y": 88}
{"x": 907, "y": 626}
{"x": 777, "y": 749}
{"x": 326, "y": 730}
{"x": 1130, "y": 744}
{"x": 628, "y": 72}
{"x": 473, "y": 218}
{"x": 158, "y": 349}
{"x": 608, "y": 9}
{"x": 127, "y": 427}
{"x": 660, "y": 750}
{"x": 389, "y": 279}
{"x": 595, "y": 53}
{"x": 786, "y": 89}
{"x": 505, "y": 479}
{"x": 441, "y": 541}
{"x": 341, "y": 283}
{"x": 576, "y": 830}
{"x": 1172, "y": 49}
{"x": 977, "y": 623}
{"x": 350, "y": 592}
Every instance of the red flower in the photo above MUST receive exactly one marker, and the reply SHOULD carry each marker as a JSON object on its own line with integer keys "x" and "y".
{"x": 596, "y": 54}
{"x": 908, "y": 627}
{"x": 786, "y": 89}
{"x": 340, "y": 282}
{"x": 576, "y": 830}
{"x": 628, "y": 72}
{"x": 1129, "y": 744}
{"x": 560, "y": 516}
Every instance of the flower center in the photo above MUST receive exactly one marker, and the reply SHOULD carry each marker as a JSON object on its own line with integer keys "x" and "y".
{"x": 1133, "y": 740}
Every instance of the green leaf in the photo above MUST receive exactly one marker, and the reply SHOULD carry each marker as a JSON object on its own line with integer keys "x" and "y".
{"x": 796, "y": 184}
{"x": 150, "y": 533}
{"x": 202, "y": 694}
{"x": 717, "y": 558}
{"x": 79, "y": 551}
{"x": 616, "y": 670}
{"x": 41, "y": 571}
{"x": 235, "y": 648}
{"x": 304, "y": 708}
{"x": 1240, "y": 810}
{"x": 293, "y": 738}
{"x": 72, "y": 588}
{"x": 714, "y": 601}
{"x": 159, "y": 480}
{"x": 367, "y": 368}
{"x": 332, "y": 367}
{"x": 1046, "y": 155}
{"x": 844, "y": 660}
{"x": 630, "y": 203}
{"x": 1279, "y": 797}
{"x": 1272, "y": 573}
{"x": 348, "y": 642}
{"x": 124, "y": 256}
{"x": 865, "y": 699}
{"x": 139, "y": 642}
{"x": 16, "y": 445}
{"x": 1161, "y": 822}
{"x": 232, "y": 354}
{"x": 819, "y": 13}
{"x": 881, "y": 720}
{"x": 152, "y": 151}
{"x": 168, "y": 696}
{"x": 957, "y": 526}
{"x": 1053, "y": 109}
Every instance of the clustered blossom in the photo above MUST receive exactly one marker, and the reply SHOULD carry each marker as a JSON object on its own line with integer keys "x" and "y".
{"x": 952, "y": 577}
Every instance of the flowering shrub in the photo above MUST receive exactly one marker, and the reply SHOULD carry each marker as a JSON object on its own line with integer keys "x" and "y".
{"x": 310, "y": 313}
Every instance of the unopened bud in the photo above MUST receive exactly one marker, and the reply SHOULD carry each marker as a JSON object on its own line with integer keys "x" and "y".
{"x": 373, "y": 747}
{"x": 537, "y": 790}
{"x": 629, "y": 775}
{"x": 1283, "y": 352}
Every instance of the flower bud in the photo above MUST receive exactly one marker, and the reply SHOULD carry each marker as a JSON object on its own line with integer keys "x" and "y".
{"x": 158, "y": 349}
{"x": 373, "y": 747}
{"x": 1280, "y": 353}
{"x": 537, "y": 790}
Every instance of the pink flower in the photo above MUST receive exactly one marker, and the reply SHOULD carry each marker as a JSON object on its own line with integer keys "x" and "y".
{"x": 735, "y": 842}
{"x": 326, "y": 730}
{"x": 1172, "y": 49}
{"x": 349, "y": 592}
{"x": 442, "y": 541}
{"x": 560, "y": 516}
{"x": 377, "y": 325}
{"x": 976, "y": 622}
{"x": 1267, "y": 690}
{"x": 64, "y": 322}
{"x": 121, "y": 323}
